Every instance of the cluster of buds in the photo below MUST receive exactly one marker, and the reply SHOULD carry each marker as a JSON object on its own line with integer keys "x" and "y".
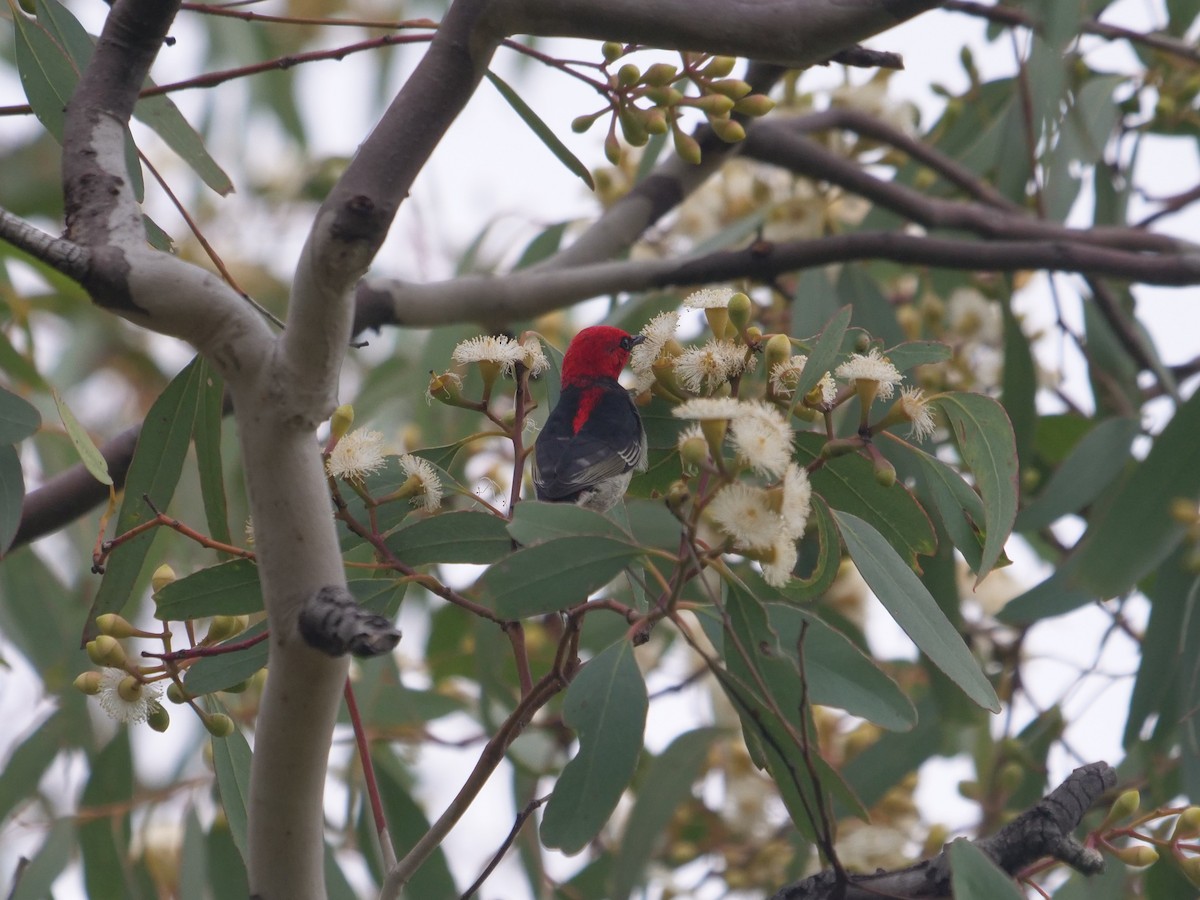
{"x": 649, "y": 102}
{"x": 1172, "y": 830}
{"x": 131, "y": 693}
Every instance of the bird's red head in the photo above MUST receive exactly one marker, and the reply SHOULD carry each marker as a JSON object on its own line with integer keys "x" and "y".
{"x": 598, "y": 352}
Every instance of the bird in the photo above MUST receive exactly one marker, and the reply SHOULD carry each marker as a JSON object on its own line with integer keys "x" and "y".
{"x": 593, "y": 439}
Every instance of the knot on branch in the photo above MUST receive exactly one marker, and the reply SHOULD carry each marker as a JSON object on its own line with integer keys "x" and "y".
{"x": 332, "y": 621}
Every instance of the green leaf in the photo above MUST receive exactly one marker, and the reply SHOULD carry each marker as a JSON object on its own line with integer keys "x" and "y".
{"x": 1054, "y": 596}
{"x": 223, "y": 671}
{"x": 666, "y": 784}
{"x": 881, "y": 766}
{"x": 911, "y": 354}
{"x": 12, "y": 495}
{"x": 104, "y": 840}
{"x": 839, "y": 674}
{"x": 51, "y": 859}
{"x": 228, "y": 589}
{"x": 231, "y": 762}
{"x": 19, "y": 419}
{"x": 46, "y": 73}
{"x": 535, "y": 522}
{"x": 206, "y": 436}
{"x": 542, "y": 130}
{"x": 1019, "y": 385}
{"x": 1138, "y": 532}
{"x": 976, "y": 877}
{"x": 408, "y": 824}
{"x": 825, "y": 350}
{"x": 914, "y": 609}
{"x": 89, "y": 453}
{"x": 543, "y": 246}
{"x": 985, "y": 440}
{"x": 606, "y": 707}
{"x": 848, "y": 483}
{"x": 1084, "y": 475}
{"x": 29, "y": 761}
{"x": 553, "y": 575}
{"x": 464, "y": 536}
{"x": 958, "y": 506}
{"x": 193, "y": 860}
{"x": 154, "y": 472}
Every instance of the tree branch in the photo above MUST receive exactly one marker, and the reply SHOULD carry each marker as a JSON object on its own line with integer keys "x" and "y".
{"x": 1044, "y": 830}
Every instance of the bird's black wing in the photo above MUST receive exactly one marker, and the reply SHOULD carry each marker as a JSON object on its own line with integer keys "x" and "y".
{"x": 610, "y": 443}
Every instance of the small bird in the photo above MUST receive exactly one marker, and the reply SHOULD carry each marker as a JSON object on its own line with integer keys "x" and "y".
{"x": 593, "y": 439}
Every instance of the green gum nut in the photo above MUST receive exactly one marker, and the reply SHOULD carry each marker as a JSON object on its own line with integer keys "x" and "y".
{"x": 740, "y": 308}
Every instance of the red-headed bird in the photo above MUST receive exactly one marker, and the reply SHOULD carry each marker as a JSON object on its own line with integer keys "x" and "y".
{"x": 593, "y": 438}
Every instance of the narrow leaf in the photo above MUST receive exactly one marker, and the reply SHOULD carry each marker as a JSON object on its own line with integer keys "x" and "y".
{"x": 89, "y": 453}
{"x": 976, "y": 877}
{"x": 606, "y": 707}
{"x": 1138, "y": 531}
{"x": 911, "y": 354}
{"x": 221, "y": 672}
{"x": 825, "y": 350}
{"x": 228, "y": 589}
{"x": 534, "y": 522}
{"x": 989, "y": 450}
{"x": 542, "y": 130}
{"x": 231, "y": 762}
{"x": 554, "y": 575}
{"x": 154, "y": 472}
{"x": 914, "y": 609}
{"x": 19, "y": 418}
{"x": 12, "y": 495}
{"x": 464, "y": 536}
{"x": 206, "y": 436}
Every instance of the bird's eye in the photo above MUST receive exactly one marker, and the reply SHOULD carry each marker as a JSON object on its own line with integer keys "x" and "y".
{"x": 626, "y": 343}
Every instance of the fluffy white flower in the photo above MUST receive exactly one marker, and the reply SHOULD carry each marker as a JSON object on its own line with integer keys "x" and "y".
{"x": 971, "y": 315}
{"x": 656, "y": 332}
{"x": 708, "y": 298}
{"x": 708, "y": 408}
{"x": 797, "y": 500}
{"x": 743, "y": 512}
{"x": 135, "y": 706}
{"x": 357, "y": 455}
{"x": 762, "y": 438}
{"x": 503, "y": 351}
{"x": 786, "y": 375}
{"x": 916, "y": 409}
{"x": 778, "y": 570}
{"x": 535, "y": 358}
{"x": 709, "y": 366}
{"x": 872, "y": 366}
{"x": 423, "y": 471}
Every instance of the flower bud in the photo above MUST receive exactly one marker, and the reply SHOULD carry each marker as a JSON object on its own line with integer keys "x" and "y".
{"x": 129, "y": 689}
{"x": 612, "y": 51}
{"x": 115, "y": 626}
{"x": 162, "y": 576}
{"x": 885, "y": 472}
{"x": 159, "y": 719}
{"x": 1187, "y": 826}
{"x": 660, "y": 75}
{"x": 740, "y": 308}
{"x": 718, "y": 320}
{"x": 1184, "y": 511}
{"x": 633, "y": 127}
{"x": 778, "y": 350}
{"x": 88, "y": 683}
{"x": 678, "y": 496}
{"x": 687, "y": 147}
{"x": 733, "y": 88}
{"x": 628, "y": 75}
{"x": 664, "y": 96}
{"x": 1191, "y": 868}
{"x": 655, "y": 121}
{"x": 728, "y": 130}
{"x": 176, "y": 694}
{"x": 106, "y": 651}
{"x": 715, "y": 105}
{"x": 218, "y": 725}
{"x": 840, "y": 447}
{"x": 612, "y": 149}
{"x": 1011, "y": 773}
{"x": 693, "y": 453}
{"x": 719, "y": 66}
{"x": 580, "y": 124}
{"x": 340, "y": 422}
{"x": 1136, "y": 856}
{"x": 221, "y": 628}
{"x": 1125, "y": 805}
{"x": 754, "y": 105}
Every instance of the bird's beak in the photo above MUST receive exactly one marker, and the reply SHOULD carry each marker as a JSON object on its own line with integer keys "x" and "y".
{"x": 636, "y": 339}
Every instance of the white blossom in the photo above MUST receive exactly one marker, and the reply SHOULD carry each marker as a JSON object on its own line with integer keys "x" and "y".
{"x": 916, "y": 409}
{"x": 762, "y": 438}
{"x": 872, "y": 366}
{"x": 797, "y": 500}
{"x": 743, "y": 512}
{"x": 141, "y": 702}
{"x": 708, "y": 408}
{"x": 498, "y": 349}
{"x": 357, "y": 455}
{"x": 423, "y": 471}
{"x": 709, "y": 298}
{"x": 778, "y": 570}
{"x": 709, "y": 366}
{"x": 535, "y": 358}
